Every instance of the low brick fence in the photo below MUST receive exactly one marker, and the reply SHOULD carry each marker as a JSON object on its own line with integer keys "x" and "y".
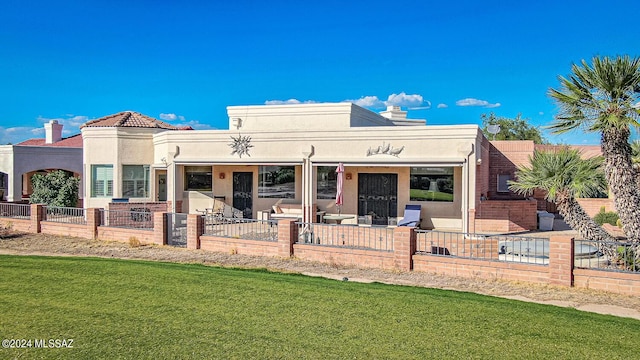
{"x": 402, "y": 256}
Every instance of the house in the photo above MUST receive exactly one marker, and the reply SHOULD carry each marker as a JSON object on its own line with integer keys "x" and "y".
{"x": 21, "y": 161}
{"x": 277, "y": 152}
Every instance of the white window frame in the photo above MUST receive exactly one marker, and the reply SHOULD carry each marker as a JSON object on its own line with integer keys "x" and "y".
{"x": 135, "y": 183}
{"x": 101, "y": 180}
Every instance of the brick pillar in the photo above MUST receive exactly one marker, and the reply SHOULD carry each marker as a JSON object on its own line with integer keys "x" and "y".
{"x": 561, "y": 260}
{"x": 93, "y": 221}
{"x": 472, "y": 220}
{"x": 287, "y": 235}
{"x": 160, "y": 228}
{"x": 195, "y": 228}
{"x": 37, "y": 215}
{"x": 404, "y": 246}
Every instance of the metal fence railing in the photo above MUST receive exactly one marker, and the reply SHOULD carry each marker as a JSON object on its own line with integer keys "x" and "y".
{"x": 65, "y": 215}
{"x": 248, "y": 229}
{"x": 509, "y": 248}
{"x": 351, "y": 236}
{"x": 620, "y": 256}
{"x": 127, "y": 219}
{"x": 16, "y": 211}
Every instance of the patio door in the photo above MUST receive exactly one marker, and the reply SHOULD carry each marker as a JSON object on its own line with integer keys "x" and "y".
{"x": 243, "y": 193}
{"x": 378, "y": 197}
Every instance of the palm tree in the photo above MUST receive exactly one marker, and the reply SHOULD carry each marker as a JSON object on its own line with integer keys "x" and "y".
{"x": 603, "y": 97}
{"x": 635, "y": 159}
{"x": 564, "y": 176}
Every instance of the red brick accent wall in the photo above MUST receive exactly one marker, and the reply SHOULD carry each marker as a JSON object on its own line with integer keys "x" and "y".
{"x": 592, "y": 206}
{"x": 239, "y": 246}
{"x": 504, "y": 158}
{"x": 620, "y": 283}
{"x": 506, "y": 216}
{"x": 345, "y": 256}
{"x": 93, "y": 221}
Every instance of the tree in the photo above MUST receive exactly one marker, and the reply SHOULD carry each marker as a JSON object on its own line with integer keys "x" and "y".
{"x": 57, "y": 188}
{"x": 511, "y": 129}
{"x": 565, "y": 176}
{"x": 601, "y": 97}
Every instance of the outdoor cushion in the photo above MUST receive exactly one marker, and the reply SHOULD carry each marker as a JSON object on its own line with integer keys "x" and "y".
{"x": 411, "y": 215}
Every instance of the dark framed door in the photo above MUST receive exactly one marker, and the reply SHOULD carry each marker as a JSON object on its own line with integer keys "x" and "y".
{"x": 378, "y": 197}
{"x": 243, "y": 193}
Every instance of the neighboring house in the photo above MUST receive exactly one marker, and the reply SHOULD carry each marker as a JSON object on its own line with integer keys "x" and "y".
{"x": 21, "y": 161}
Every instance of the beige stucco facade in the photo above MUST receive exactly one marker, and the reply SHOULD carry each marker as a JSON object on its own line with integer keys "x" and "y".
{"x": 305, "y": 136}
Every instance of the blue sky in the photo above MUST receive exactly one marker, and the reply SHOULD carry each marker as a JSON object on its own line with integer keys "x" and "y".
{"x": 447, "y": 62}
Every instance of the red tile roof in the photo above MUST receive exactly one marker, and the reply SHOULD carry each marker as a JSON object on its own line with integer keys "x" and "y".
{"x": 129, "y": 119}
{"x": 74, "y": 141}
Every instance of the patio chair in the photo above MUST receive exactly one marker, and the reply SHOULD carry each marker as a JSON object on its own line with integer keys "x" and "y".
{"x": 411, "y": 216}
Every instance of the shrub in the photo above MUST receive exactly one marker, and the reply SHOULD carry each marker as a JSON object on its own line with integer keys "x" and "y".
{"x": 134, "y": 242}
{"x": 609, "y": 217}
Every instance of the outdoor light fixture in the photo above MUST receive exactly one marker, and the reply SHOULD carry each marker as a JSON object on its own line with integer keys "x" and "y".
{"x": 221, "y": 175}
{"x": 347, "y": 176}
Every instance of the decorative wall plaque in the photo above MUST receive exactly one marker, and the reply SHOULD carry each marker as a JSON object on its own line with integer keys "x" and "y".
{"x": 240, "y": 145}
{"x": 385, "y": 149}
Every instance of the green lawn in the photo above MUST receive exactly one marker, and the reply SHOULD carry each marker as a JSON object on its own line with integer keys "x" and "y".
{"x": 425, "y": 195}
{"x": 134, "y": 309}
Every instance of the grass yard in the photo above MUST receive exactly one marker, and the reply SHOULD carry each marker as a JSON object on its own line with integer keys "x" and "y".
{"x": 426, "y": 195}
{"x": 135, "y": 309}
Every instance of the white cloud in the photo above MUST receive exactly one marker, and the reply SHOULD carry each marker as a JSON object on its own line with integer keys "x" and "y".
{"x": 71, "y": 124}
{"x": 171, "y": 117}
{"x": 288, "y": 102}
{"x": 368, "y": 102}
{"x": 476, "y": 102}
{"x": 196, "y": 125}
{"x": 14, "y": 135}
{"x": 168, "y": 117}
{"x": 404, "y": 99}
{"x": 541, "y": 113}
{"x": 442, "y": 106}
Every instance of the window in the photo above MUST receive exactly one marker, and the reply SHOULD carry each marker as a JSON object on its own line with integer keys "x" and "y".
{"x": 503, "y": 183}
{"x": 276, "y": 182}
{"x": 101, "y": 180}
{"x": 135, "y": 180}
{"x": 198, "y": 178}
{"x": 431, "y": 184}
{"x": 326, "y": 182}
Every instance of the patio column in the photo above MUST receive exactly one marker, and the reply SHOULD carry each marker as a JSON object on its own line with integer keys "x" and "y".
{"x": 307, "y": 186}
{"x": 561, "y": 259}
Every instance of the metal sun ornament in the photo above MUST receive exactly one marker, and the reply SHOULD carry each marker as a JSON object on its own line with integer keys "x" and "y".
{"x": 241, "y": 145}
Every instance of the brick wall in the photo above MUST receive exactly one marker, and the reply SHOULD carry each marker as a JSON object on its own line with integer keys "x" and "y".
{"x": 592, "y": 206}
{"x": 504, "y": 158}
{"x": 22, "y": 225}
{"x": 620, "y": 283}
{"x": 65, "y": 229}
{"x": 146, "y": 237}
{"x": 148, "y": 206}
{"x": 485, "y": 269}
{"x": 506, "y": 216}
{"x": 345, "y": 256}
{"x": 238, "y": 246}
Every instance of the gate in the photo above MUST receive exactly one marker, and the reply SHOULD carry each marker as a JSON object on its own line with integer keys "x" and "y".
{"x": 177, "y": 229}
{"x": 378, "y": 196}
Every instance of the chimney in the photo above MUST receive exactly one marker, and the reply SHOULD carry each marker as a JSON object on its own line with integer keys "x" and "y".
{"x": 53, "y": 132}
{"x": 394, "y": 113}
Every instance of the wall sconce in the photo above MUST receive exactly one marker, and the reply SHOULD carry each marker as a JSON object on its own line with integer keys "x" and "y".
{"x": 221, "y": 176}
{"x": 347, "y": 176}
